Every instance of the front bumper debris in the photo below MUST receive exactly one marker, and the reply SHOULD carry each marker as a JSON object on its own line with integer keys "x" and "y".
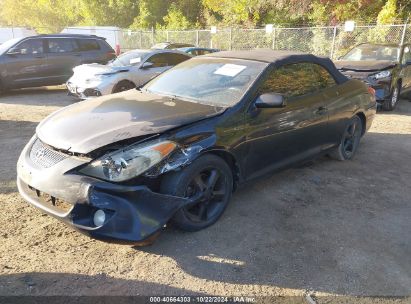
{"x": 382, "y": 87}
{"x": 133, "y": 213}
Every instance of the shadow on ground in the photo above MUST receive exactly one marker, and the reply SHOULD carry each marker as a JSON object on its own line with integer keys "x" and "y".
{"x": 41, "y": 96}
{"x": 336, "y": 227}
{"x": 70, "y": 284}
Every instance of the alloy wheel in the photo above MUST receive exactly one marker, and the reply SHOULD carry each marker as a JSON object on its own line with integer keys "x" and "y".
{"x": 351, "y": 138}
{"x": 207, "y": 192}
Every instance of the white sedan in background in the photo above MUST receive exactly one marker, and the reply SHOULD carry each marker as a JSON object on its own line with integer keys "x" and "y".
{"x": 129, "y": 70}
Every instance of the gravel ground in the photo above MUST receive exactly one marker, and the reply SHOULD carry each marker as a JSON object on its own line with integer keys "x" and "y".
{"x": 328, "y": 228}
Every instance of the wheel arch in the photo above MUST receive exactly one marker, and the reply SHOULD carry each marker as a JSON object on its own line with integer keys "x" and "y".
{"x": 361, "y": 115}
{"x": 122, "y": 80}
{"x": 399, "y": 82}
{"x": 232, "y": 162}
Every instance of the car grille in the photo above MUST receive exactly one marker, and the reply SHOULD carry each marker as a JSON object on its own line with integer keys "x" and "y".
{"x": 44, "y": 156}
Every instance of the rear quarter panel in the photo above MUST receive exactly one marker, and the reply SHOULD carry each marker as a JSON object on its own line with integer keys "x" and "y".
{"x": 352, "y": 98}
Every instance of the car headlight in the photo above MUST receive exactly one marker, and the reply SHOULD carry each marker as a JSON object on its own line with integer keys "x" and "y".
{"x": 383, "y": 74}
{"x": 99, "y": 77}
{"x": 129, "y": 162}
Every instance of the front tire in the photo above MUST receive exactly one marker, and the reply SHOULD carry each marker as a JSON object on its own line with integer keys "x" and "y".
{"x": 208, "y": 182}
{"x": 350, "y": 140}
{"x": 392, "y": 101}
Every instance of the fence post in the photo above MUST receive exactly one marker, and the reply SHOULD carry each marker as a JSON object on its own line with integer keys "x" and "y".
{"x": 333, "y": 43}
{"x": 403, "y": 33}
{"x": 167, "y": 39}
{"x": 274, "y": 34}
{"x": 231, "y": 39}
{"x": 197, "y": 38}
{"x": 141, "y": 39}
{"x": 152, "y": 36}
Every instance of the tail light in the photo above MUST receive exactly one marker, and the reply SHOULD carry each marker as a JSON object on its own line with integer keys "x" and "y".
{"x": 371, "y": 91}
{"x": 111, "y": 55}
{"x": 117, "y": 49}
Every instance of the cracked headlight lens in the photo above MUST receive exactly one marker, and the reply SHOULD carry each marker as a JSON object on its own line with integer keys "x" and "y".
{"x": 383, "y": 74}
{"x": 129, "y": 162}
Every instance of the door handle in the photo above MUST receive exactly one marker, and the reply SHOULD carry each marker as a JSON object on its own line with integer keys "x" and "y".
{"x": 78, "y": 55}
{"x": 321, "y": 110}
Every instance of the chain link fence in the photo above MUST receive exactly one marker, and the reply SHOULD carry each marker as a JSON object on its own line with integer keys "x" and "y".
{"x": 323, "y": 41}
{"x": 330, "y": 41}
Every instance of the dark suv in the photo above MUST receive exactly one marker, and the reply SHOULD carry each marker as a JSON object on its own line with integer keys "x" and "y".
{"x": 385, "y": 67}
{"x": 48, "y": 59}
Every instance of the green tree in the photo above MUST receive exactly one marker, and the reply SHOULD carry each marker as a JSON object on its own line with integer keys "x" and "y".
{"x": 151, "y": 13}
{"x": 44, "y": 15}
{"x": 234, "y": 12}
{"x": 175, "y": 19}
{"x": 119, "y": 13}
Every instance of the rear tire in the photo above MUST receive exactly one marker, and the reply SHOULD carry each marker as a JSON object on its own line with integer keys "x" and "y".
{"x": 208, "y": 181}
{"x": 392, "y": 101}
{"x": 349, "y": 140}
{"x": 123, "y": 85}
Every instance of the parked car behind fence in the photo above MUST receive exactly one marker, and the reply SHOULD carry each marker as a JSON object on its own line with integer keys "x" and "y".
{"x": 385, "y": 67}
{"x": 197, "y": 51}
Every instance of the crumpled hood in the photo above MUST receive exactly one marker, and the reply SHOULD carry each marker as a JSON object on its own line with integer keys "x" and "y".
{"x": 364, "y": 65}
{"x": 88, "y": 125}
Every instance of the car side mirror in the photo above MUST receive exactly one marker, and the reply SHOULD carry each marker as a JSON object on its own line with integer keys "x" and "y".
{"x": 270, "y": 100}
{"x": 13, "y": 51}
{"x": 147, "y": 65}
{"x": 408, "y": 62}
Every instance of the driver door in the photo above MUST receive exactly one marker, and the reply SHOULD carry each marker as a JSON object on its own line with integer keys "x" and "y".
{"x": 277, "y": 137}
{"x": 26, "y": 64}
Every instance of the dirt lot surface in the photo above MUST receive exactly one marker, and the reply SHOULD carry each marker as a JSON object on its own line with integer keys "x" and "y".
{"x": 328, "y": 228}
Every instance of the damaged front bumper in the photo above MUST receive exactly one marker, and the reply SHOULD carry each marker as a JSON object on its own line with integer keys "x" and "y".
{"x": 132, "y": 213}
{"x": 84, "y": 91}
{"x": 382, "y": 86}
{"x": 382, "y": 90}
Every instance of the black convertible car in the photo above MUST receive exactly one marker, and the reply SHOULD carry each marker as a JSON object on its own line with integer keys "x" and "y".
{"x": 120, "y": 167}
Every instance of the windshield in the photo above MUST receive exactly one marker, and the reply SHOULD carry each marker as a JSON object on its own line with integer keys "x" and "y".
{"x": 212, "y": 81}
{"x": 372, "y": 52}
{"x": 8, "y": 44}
{"x": 129, "y": 58}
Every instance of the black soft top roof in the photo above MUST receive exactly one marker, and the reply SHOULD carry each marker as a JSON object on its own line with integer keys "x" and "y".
{"x": 279, "y": 58}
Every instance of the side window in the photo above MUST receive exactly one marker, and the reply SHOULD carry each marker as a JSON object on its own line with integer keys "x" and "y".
{"x": 86, "y": 45}
{"x": 158, "y": 60}
{"x": 174, "y": 59}
{"x": 61, "y": 45}
{"x": 325, "y": 79}
{"x": 31, "y": 46}
{"x": 406, "y": 57}
{"x": 297, "y": 79}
